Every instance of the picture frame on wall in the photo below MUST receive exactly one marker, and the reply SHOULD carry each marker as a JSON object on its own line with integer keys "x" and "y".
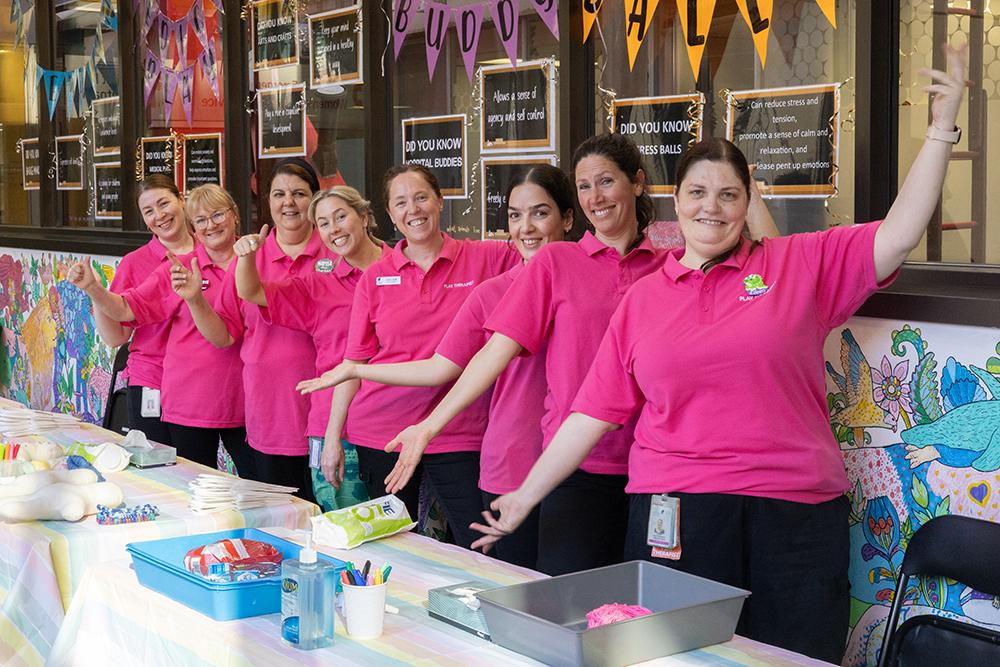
{"x": 275, "y": 31}
{"x": 336, "y": 47}
{"x": 518, "y": 107}
{"x": 281, "y": 121}
{"x": 69, "y": 162}
{"x": 439, "y": 143}
{"x": 496, "y": 172}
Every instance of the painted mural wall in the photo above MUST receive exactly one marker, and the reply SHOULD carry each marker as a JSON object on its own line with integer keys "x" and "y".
{"x": 915, "y": 408}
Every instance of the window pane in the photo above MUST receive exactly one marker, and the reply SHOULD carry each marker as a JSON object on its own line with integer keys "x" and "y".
{"x": 18, "y": 122}
{"x": 803, "y": 49}
{"x": 969, "y": 227}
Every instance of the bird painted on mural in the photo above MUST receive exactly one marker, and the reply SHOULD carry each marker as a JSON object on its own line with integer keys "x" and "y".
{"x": 861, "y": 410}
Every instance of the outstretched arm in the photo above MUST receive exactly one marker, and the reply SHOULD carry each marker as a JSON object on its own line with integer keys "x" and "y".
{"x": 248, "y": 284}
{"x": 907, "y": 220}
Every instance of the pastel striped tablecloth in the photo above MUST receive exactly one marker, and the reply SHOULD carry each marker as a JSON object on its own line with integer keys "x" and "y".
{"x": 114, "y": 620}
{"x": 43, "y": 563}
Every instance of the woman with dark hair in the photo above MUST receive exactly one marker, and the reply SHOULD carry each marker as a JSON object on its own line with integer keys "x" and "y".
{"x": 564, "y": 298}
{"x": 163, "y": 212}
{"x": 403, "y": 305}
{"x": 202, "y": 384}
{"x": 539, "y": 208}
{"x": 739, "y": 445}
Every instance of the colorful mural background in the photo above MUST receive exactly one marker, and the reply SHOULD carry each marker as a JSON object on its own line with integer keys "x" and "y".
{"x": 915, "y": 407}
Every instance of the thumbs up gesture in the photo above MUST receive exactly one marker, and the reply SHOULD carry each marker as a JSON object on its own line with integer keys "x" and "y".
{"x": 186, "y": 282}
{"x": 83, "y": 276}
{"x": 251, "y": 243}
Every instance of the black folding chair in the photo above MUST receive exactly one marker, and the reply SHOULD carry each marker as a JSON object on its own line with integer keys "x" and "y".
{"x": 116, "y": 407}
{"x": 960, "y": 548}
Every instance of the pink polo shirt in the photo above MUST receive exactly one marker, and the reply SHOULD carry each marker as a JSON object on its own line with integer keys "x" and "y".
{"x": 727, "y": 368}
{"x": 318, "y": 303}
{"x": 400, "y": 313}
{"x": 276, "y": 358}
{"x": 145, "y": 350}
{"x": 565, "y": 297}
{"x": 202, "y": 385}
{"x": 513, "y": 439}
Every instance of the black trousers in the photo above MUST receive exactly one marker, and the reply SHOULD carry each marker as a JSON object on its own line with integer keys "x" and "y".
{"x": 792, "y": 557}
{"x": 154, "y": 429}
{"x": 454, "y": 476}
{"x": 521, "y": 546}
{"x": 201, "y": 445}
{"x": 582, "y": 523}
{"x": 286, "y": 471}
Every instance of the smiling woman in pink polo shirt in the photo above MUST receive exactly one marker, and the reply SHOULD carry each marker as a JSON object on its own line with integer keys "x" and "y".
{"x": 402, "y": 308}
{"x": 319, "y": 304}
{"x": 163, "y": 212}
{"x": 539, "y": 208}
{"x": 721, "y": 354}
{"x": 202, "y": 395}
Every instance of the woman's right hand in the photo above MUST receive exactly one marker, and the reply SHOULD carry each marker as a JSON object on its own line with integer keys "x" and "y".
{"x": 343, "y": 372}
{"x": 332, "y": 461}
{"x": 513, "y": 510}
{"x": 82, "y": 275}
{"x": 251, "y": 243}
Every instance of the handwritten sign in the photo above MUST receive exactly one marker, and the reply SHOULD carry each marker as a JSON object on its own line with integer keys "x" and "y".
{"x": 157, "y": 156}
{"x": 275, "y": 34}
{"x": 202, "y": 160}
{"x": 438, "y": 143}
{"x": 31, "y": 164}
{"x": 108, "y": 191}
{"x": 281, "y": 121}
{"x": 69, "y": 162}
{"x": 107, "y": 126}
{"x": 518, "y": 107}
{"x": 496, "y": 173}
{"x": 335, "y": 47}
{"x": 662, "y": 128}
{"x": 791, "y": 135}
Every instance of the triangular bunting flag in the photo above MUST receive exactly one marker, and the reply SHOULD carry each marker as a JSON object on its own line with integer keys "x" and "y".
{"x": 197, "y": 16}
{"x": 638, "y": 16}
{"x": 207, "y": 61}
{"x": 150, "y": 74}
{"x": 548, "y": 10}
{"x": 186, "y": 83}
{"x": 53, "y": 82}
{"x": 757, "y": 14}
{"x": 590, "y": 9}
{"x": 468, "y": 27}
{"x": 150, "y": 14}
{"x": 179, "y": 35}
{"x": 436, "y": 16}
{"x": 71, "y": 82}
{"x": 171, "y": 90}
{"x": 695, "y": 28}
{"x": 505, "y": 16}
{"x": 401, "y": 23}
{"x": 829, "y": 9}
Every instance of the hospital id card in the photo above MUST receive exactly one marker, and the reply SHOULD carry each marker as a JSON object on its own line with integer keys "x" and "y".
{"x": 662, "y": 530}
{"x": 150, "y": 402}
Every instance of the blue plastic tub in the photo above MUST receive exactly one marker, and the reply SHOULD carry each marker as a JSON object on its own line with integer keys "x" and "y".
{"x": 159, "y": 565}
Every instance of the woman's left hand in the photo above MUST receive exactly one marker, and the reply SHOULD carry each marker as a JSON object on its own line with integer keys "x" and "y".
{"x": 187, "y": 284}
{"x": 412, "y": 441}
{"x": 948, "y": 87}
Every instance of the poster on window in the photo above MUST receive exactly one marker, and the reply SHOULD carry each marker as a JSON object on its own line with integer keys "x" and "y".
{"x": 31, "y": 164}
{"x": 662, "y": 128}
{"x": 281, "y": 121}
{"x": 517, "y": 110}
{"x": 496, "y": 174}
{"x": 335, "y": 47}
{"x": 108, "y": 191}
{"x": 275, "y": 34}
{"x": 107, "y": 126}
{"x": 202, "y": 159}
{"x": 157, "y": 157}
{"x": 69, "y": 162}
{"x": 791, "y": 135}
{"x": 438, "y": 143}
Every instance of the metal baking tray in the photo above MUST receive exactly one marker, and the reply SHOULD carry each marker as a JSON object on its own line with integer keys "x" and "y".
{"x": 547, "y": 619}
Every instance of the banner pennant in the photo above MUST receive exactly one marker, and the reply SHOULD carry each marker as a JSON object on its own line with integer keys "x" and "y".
{"x": 829, "y": 9}
{"x": 71, "y": 84}
{"x": 548, "y": 10}
{"x": 695, "y": 28}
{"x": 468, "y": 27}
{"x": 186, "y": 83}
{"x": 436, "y": 17}
{"x": 198, "y": 24}
{"x": 638, "y": 16}
{"x": 401, "y": 23}
{"x": 590, "y": 9}
{"x": 53, "y": 82}
{"x": 505, "y": 18}
{"x": 757, "y": 14}
{"x": 171, "y": 90}
{"x": 150, "y": 75}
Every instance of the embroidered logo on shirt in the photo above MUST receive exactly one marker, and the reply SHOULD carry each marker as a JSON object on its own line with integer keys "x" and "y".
{"x": 324, "y": 265}
{"x": 470, "y": 283}
{"x": 388, "y": 280}
{"x": 755, "y": 287}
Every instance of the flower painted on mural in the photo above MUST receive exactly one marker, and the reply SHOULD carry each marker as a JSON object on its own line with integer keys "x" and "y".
{"x": 881, "y": 529}
{"x": 891, "y": 390}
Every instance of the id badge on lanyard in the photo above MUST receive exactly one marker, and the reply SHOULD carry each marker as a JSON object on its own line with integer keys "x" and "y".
{"x": 150, "y": 402}
{"x": 663, "y": 531}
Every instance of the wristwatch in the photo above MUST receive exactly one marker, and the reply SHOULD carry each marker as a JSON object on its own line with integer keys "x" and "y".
{"x": 937, "y": 134}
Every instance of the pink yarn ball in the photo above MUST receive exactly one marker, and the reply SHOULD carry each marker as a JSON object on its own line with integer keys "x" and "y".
{"x": 614, "y": 612}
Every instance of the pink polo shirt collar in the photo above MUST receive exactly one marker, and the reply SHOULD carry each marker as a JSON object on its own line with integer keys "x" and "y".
{"x": 592, "y": 246}
{"x": 276, "y": 254}
{"x": 674, "y": 270}
{"x": 448, "y": 251}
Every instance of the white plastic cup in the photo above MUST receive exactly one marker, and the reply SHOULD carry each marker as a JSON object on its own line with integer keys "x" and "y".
{"x": 364, "y": 610}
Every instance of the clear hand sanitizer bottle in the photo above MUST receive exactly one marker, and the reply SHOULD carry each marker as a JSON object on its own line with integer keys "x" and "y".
{"x": 307, "y": 591}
